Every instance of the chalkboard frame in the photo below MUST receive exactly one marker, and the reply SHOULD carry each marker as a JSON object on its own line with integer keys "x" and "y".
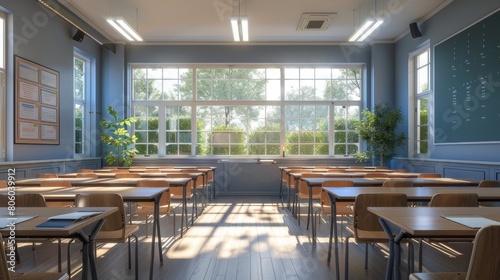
{"x": 440, "y": 135}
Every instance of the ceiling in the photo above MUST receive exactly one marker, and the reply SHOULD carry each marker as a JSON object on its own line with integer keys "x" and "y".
{"x": 270, "y": 21}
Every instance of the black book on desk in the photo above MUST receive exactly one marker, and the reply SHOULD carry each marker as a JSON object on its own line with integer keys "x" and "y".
{"x": 64, "y": 220}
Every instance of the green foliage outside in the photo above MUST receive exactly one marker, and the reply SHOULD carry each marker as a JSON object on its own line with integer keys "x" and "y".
{"x": 115, "y": 134}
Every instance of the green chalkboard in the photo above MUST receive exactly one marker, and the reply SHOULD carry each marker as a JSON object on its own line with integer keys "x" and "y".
{"x": 467, "y": 85}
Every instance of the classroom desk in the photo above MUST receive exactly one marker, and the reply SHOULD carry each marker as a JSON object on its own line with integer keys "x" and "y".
{"x": 349, "y": 194}
{"x": 129, "y": 194}
{"x": 407, "y": 222}
{"x": 75, "y": 230}
{"x": 377, "y": 182}
{"x": 114, "y": 182}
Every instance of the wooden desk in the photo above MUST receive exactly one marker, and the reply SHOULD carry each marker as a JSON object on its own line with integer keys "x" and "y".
{"x": 406, "y": 222}
{"x": 349, "y": 194}
{"x": 417, "y": 182}
{"x": 75, "y": 230}
{"x": 129, "y": 194}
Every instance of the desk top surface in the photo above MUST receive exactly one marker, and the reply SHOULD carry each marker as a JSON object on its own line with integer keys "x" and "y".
{"x": 42, "y": 214}
{"x": 416, "y": 181}
{"x": 63, "y": 193}
{"x": 101, "y": 181}
{"x": 428, "y": 221}
{"x": 413, "y": 194}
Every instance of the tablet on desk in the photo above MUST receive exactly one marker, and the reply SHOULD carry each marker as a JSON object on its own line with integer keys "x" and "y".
{"x": 64, "y": 220}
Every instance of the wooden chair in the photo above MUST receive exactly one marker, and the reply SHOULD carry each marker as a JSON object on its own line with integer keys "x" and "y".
{"x": 147, "y": 208}
{"x": 5, "y": 274}
{"x": 46, "y": 175}
{"x": 210, "y": 180}
{"x": 85, "y": 171}
{"x": 489, "y": 184}
{"x": 483, "y": 264}
{"x": 342, "y": 209}
{"x": 397, "y": 184}
{"x": 375, "y": 175}
{"x": 115, "y": 229}
{"x": 127, "y": 175}
{"x": 303, "y": 191}
{"x": 87, "y": 175}
{"x": 3, "y": 184}
{"x": 448, "y": 200}
{"x": 31, "y": 200}
{"x": 429, "y": 175}
{"x": 176, "y": 192}
{"x": 366, "y": 227}
{"x": 65, "y": 184}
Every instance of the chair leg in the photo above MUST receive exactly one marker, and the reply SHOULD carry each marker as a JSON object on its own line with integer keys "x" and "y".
{"x": 174, "y": 222}
{"x": 129, "y": 257}
{"x": 147, "y": 230}
{"x": 59, "y": 257}
{"x": 69, "y": 257}
{"x": 420, "y": 247}
{"x": 366, "y": 255}
{"x": 136, "y": 257}
{"x": 298, "y": 210}
{"x": 346, "y": 268}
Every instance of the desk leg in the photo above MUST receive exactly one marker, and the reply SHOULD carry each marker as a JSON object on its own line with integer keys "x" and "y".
{"x": 88, "y": 252}
{"x": 394, "y": 251}
{"x": 310, "y": 206}
{"x": 184, "y": 209}
{"x": 156, "y": 228}
{"x": 333, "y": 235}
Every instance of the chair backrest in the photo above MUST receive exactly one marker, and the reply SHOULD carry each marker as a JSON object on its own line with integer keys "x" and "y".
{"x": 429, "y": 175}
{"x": 115, "y": 221}
{"x": 4, "y": 269}
{"x": 46, "y": 175}
{"x": 24, "y": 200}
{"x": 304, "y": 188}
{"x": 489, "y": 184}
{"x": 3, "y": 184}
{"x": 127, "y": 175}
{"x": 165, "y": 197}
{"x": 178, "y": 190}
{"x": 375, "y": 175}
{"x": 397, "y": 184}
{"x": 454, "y": 200}
{"x": 325, "y": 200}
{"x": 85, "y": 171}
{"x": 365, "y": 220}
{"x": 59, "y": 183}
{"x": 86, "y": 175}
{"x": 485, "y": 257}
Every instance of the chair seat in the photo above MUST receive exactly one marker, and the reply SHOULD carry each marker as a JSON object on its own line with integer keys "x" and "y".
{"x": 302, "y": 196}
{"x": 116, "y": 236}
{"x": 369, "y": 236}
{"x": 38, "y": 276}
{"x": 439, "y": 276}
{"x": 143, "y": 209}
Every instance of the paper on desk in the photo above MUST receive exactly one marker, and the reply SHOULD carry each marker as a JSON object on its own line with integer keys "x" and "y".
{"x": 471, "y": 220}
{"x": 7, "y": 221}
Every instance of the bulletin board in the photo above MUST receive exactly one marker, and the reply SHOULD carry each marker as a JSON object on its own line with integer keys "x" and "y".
{"x": 36, "y": 103}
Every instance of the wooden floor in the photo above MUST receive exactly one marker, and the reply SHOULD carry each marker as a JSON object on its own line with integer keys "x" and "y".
{"x": 243, "y": 237}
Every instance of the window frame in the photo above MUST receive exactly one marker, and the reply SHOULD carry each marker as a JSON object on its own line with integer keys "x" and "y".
{"x": 196, "y": 103}
{"x": 87, "y": 105}
{"x": 414, "y": 101}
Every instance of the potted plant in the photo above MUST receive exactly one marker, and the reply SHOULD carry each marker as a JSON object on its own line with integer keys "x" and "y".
{"x": 116, "y": 135}
{"x": 378, "y": 130}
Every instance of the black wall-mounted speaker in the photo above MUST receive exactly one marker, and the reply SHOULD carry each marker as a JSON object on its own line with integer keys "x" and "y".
{"x": 415, "y": 33}
{"x": 79, "y": 36}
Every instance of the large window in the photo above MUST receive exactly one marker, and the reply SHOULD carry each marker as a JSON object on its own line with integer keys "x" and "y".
{"x": 240, "y": 111}
{"x": 422, "y": 90}
{"x": 81, "y": 94}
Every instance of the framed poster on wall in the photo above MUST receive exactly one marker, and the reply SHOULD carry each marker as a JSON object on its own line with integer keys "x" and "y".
{"x": 37, "y": 103}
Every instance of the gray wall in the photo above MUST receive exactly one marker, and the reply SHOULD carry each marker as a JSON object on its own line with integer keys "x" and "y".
{"x": 42, "y": 37}
{"x": 452, "y": 19}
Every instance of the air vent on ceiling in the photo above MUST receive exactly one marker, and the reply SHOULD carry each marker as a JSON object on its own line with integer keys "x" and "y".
{"x": 315, "y": 21}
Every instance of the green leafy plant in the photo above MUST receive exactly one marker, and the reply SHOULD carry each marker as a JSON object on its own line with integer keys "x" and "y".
{"x": 115, "y": 134}
{"x": 378, "y": 130}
